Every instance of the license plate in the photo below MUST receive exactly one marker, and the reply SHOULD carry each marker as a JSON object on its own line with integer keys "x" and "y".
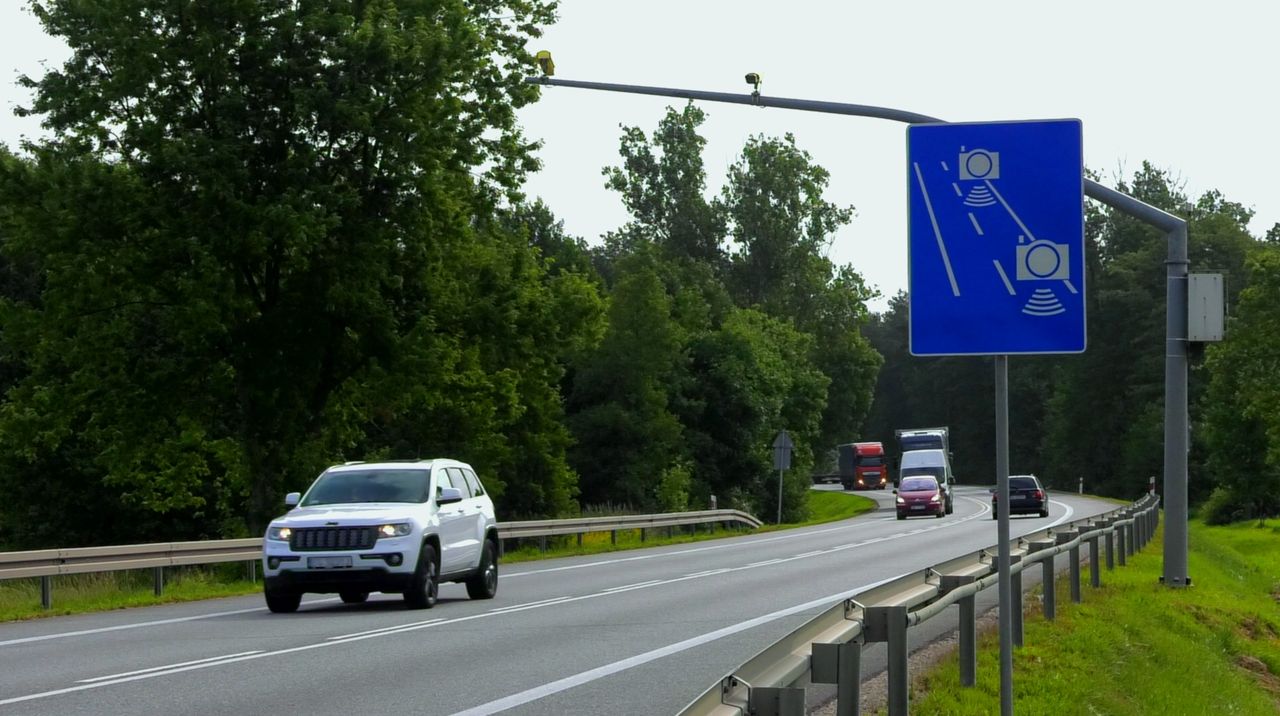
{"x": 873, "y": 474}
{"x": 328, "y": 562}
{"x": 917, "y": 507}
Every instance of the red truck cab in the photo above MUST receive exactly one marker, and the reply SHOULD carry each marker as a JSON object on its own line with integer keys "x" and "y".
{"x": 862, "y": 466}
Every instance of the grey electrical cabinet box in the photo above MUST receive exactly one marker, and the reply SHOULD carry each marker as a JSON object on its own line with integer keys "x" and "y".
{"x": 1206, "y": 307}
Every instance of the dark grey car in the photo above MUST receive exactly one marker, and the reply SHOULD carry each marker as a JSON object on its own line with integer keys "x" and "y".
{"x": 1026, "y": 496}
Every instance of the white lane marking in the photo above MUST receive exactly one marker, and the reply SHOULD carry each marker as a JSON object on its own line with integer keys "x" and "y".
{"x": 976, "y": 226}
{"x": 937, "y": 233}
{"x": 637, "y": 585}
{"x": 600, "y": 672}
{"x": 1065, "y": 517}
{"x": 386, "y": 628}
{"x": 139, "y": 625}
{"x": 529, "y": 604}
{"x": 1004, "y": 277}
{"x": 170, "y": 666}
{"x": 767, "y": 562}
{"x": 708, "y": 572}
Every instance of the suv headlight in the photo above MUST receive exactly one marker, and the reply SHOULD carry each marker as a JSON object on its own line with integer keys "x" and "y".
{"x": 279, "y": 534}
{"x": 398, "y": 529}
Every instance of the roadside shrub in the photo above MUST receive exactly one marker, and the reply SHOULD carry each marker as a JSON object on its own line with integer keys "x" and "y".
{"x": 1224, "y": 506}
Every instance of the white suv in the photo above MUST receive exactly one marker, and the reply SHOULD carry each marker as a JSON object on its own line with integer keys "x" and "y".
{"x": 401, "y": 527}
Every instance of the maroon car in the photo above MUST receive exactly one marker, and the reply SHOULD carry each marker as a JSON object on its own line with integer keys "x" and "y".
{"x": 919, "y": 495}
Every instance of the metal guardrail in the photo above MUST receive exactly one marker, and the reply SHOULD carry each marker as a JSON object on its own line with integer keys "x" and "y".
{"x": 49, "y": 563}
{"x": 827, "y": 649}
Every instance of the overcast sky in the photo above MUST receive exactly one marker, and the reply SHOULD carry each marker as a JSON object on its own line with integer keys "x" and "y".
{"x": 1189, "y": 86}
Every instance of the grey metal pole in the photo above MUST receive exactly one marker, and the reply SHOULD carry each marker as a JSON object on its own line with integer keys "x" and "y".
{"x": 1175, "y": 412}
{"x": 1175, "y": 374}
{"x": 46, "y": 592}
{"x": 1005, "y": 585}
{"x": 780, "y": 497}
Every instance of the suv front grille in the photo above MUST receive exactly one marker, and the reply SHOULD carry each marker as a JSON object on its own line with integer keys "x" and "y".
{"x": 332, "y": 538}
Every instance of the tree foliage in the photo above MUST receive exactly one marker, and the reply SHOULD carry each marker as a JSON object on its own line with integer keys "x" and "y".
{"x": 264, "y": 236}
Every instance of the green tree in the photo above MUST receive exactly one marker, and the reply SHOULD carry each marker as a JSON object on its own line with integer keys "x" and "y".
{"x": 1242, "y": 403}
{"x": 626, "y": 435}
{"x": 253, "y": 221}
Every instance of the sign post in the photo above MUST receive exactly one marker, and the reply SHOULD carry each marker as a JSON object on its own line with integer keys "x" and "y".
{"x": 782, "y": 447}
{"x": 996, "y": 261}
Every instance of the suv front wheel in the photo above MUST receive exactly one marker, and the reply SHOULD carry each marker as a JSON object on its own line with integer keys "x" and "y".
{"x": 425, "y": 587}
{"x": 282, "y": 602}
{"x": 484, "y": 583}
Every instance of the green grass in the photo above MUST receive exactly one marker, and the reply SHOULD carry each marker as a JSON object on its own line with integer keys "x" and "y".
{"x": 75, "y": 594}
{"x": 1137, "y": 647}
{"x": 79, "y": 593}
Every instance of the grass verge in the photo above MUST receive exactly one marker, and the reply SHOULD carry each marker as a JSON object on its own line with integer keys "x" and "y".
{"x": 80, "y": 593}
{"x": 1136, "y": 647}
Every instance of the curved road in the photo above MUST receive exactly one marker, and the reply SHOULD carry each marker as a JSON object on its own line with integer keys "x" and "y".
{"x": 639, "y": 632}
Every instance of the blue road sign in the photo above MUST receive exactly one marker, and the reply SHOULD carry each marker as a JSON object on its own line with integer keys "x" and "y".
{"x": 996, "y": 217}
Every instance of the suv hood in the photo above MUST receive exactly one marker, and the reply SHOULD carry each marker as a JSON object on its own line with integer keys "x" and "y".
{"x": 361, "y": 513}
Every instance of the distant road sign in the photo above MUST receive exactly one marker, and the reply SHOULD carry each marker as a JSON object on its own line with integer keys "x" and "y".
{"x": 996, "y": 217}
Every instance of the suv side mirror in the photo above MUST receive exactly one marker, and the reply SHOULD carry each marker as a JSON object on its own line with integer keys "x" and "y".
{"x": 292, "y": 499}
{"x": 448, "y": 496}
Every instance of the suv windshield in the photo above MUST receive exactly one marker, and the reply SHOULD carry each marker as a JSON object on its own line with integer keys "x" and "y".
{"x": 369, "y": 486}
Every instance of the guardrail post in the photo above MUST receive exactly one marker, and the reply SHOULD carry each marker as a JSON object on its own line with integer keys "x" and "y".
{"x": 1122, "y": 547}
{"x": 889, "y": 624}
{"x": 157, "y": 580}
{"x": 46, "y": 592}
{"x": 1110, "y": 539}
{"x": 1046, "y": 578}
{"x": 613, "y": 537}
{"x": 642, "y": 534}
{"x": 1073, "y": 557}
{"x": 253, "y": 571}
{"x": 839, "y": 664}
{"x": 968, "y": 652}
{"x": 776, "y": 701}
{"x": 1095, "y": 564}
{"x": 542, "y": 542}
{"x": 1131, "y": 537}
{"x": 1015, "y": 587}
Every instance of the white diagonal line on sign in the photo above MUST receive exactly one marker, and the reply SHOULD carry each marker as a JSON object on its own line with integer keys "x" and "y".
{"x": 937, "y": 233}
{"x": 1004, "y": 277}
{"x": 976, "y": 226}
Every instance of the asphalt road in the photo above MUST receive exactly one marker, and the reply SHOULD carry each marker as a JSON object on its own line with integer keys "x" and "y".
{"x": 639, "y": 632}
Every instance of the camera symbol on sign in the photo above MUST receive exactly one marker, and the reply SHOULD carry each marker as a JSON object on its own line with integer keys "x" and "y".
{"x": 1043, "y": 260}
{"x": 979, "y": 164}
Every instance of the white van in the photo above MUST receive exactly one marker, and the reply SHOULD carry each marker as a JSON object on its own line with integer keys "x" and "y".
{"x": 930, "y": 462}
